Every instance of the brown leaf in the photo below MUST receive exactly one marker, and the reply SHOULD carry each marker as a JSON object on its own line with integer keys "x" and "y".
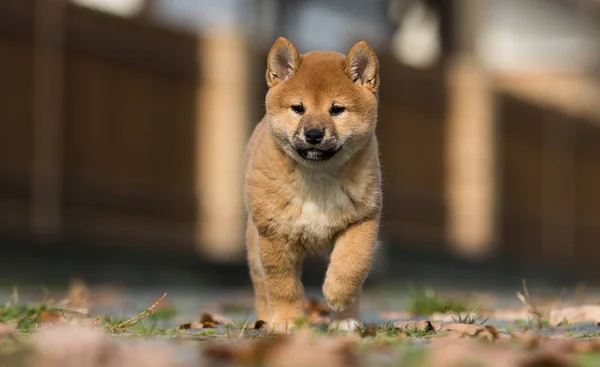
{"x": 425, "y": 325}
{"x": 306, "y": 349}
{"x": 468, "y": 329}
{"x": 315, "y": 306}
{"x": 6, "y": 330}
{"x": 212, "y": 319}
{"x": 533, "y": 341}
{"x": 527, "y": 338}
{"x": 259, "y": 324}
{"x": 586, "y": 313}
{"x": 244, "y": 353}
{"x": 58, "y": 346}
{"x": 588, "y": 346}
{"x": 192, "y": 325}
{"x": 300, "y": 349}
{"x": 369, "y": 330}
{"x": 317, "y": 312}
{"x": 51, "y": 317}
{"x": 491, "y": 333}
{"x": 487, "y": 332}
{"x": 316, "y": 318}
{"x": 455, "y": 352}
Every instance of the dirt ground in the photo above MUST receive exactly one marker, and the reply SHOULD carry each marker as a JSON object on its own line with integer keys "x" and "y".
{"x": 405, "y": 325}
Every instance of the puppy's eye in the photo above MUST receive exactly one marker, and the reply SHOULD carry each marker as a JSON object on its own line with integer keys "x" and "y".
{"x": 298, "y": 108}
{"x": 336, "y": 110}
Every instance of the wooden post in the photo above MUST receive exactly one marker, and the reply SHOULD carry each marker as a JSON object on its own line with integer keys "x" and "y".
{"x": 46, "y": 190}
{"x": 222, "y": 130}
{"x": 470, "y": 142}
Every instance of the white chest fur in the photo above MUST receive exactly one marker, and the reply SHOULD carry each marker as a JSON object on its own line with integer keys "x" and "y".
{"x": 324, "y": 207}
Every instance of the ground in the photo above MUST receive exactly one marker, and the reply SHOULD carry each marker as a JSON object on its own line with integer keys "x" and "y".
{"x": 405, "y": 325}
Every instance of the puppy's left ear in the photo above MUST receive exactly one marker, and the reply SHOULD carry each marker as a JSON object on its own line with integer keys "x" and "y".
{"x": 362, "y": 66}
{"x": 283, "y": 61}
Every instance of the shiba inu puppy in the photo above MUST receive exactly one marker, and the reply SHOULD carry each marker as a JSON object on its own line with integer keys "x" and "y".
{"x": 312, "y": 180}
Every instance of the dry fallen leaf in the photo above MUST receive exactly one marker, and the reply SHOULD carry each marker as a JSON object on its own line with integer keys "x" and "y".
{"x": 306, "y": 349}
{"x": 51, "y": 317}
{"x": 6, "y": 330}
{"x": 586, "y": 313}
{"x": 208, "y": 318}
{"x": 67, "y": 346}
{"x": 259, "y": 324}
{"x": 241, "y": 352}
{"x": 468, "y": 329}
{"x": 303, "y": 348}
{"x": 207, "y": 321}
{"x": 192, "y": 325}
{"x": 458, "y": 352}
{"x": 446, "y": 317}
{"x": 72, "y": 346}
{"x": 317, "y": 312}
{"x": 300, "y": 349}
{"x": 530, "y": 340}
{"x": 417, "y": 325}
{"x": 314, "y": 305}
{"x": 369, "y": 330}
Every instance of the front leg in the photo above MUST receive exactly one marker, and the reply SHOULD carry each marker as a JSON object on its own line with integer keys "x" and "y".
{"x": 348, "y": 268}
{"x": 282, "y": 265}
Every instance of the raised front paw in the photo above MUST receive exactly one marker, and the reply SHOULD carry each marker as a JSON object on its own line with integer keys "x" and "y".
{"x": 338, "y": 296}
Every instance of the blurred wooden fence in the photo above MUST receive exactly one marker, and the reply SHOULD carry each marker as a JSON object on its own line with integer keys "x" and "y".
{"x": 124, "y": 141}
{"x": 128, "y": 143}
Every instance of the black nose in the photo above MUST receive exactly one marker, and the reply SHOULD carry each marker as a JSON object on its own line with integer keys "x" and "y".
{"x": 314, "y": 136}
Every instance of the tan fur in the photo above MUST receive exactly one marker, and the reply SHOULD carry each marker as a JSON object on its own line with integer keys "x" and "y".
{"x": 297, "y": 206}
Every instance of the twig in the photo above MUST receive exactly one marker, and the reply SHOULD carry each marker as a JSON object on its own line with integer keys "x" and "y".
{"x": 531, "y": 308}
{"x": 63, "y": 305}
{"x": 142, "y": 315}
{"x": 243, "y": 329}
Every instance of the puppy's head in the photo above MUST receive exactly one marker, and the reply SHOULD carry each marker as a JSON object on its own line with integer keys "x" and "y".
{"x": 321, "y": 105}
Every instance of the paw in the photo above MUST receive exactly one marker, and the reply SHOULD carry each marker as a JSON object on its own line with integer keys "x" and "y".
{"x": 279, "y": 328}
{"x": 338, "y": 298}
{"x": 282, "y": 325}
{"x": 344, "y": 325}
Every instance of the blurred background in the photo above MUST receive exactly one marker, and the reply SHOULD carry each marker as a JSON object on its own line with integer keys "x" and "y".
{"x": 123, "y": 124}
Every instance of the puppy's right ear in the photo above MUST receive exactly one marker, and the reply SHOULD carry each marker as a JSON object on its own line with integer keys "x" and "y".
{"x": 282, "y": 63}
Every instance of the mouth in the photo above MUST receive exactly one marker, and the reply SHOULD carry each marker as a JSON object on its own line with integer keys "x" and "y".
{"x": 316, "y": 155}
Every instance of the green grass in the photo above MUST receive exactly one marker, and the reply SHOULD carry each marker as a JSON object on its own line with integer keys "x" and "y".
{"x": 584, "y": 335}
{"x": 27, "y": 316}
{"x": 390, "y": 331}
{"x": 163, "y": 314}
{"x": 588, "y": 359}
{"x": 428, "y": 302}
{"x": 470, "y": 317}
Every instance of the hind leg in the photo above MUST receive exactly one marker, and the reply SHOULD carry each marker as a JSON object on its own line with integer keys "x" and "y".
{"x": 256, "y": 273}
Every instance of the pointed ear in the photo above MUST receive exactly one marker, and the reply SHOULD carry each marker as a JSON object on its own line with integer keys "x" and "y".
{"x": 362, "y": 66}
{"x": 283, "y": 62}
